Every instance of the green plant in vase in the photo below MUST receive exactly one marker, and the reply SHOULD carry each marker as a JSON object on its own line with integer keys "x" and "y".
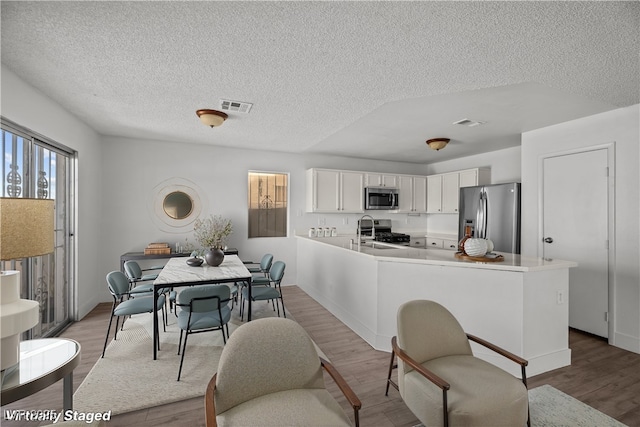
{"x": 211, "y": 233}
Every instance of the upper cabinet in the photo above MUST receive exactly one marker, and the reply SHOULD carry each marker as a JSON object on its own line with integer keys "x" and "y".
{"x": 380, "y": 180}
{"x": 443, "y": 190}
{"x": 342, "y": 191}
{"x": 335, "y": 191}
{"x": 412, "y": 194}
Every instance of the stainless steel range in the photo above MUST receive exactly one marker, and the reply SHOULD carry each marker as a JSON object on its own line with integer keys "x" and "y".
{"x": 382, "y": 231}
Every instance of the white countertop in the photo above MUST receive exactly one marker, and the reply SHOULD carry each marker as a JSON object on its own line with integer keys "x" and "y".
{"x": 394, "y": 253}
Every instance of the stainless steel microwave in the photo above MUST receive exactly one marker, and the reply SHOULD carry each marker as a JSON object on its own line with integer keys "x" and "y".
{"x": 382, "y": 198}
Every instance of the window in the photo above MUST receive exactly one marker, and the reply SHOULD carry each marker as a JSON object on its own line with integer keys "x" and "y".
{"x": 268, "y": 204}
{"x": 34, "y": 168}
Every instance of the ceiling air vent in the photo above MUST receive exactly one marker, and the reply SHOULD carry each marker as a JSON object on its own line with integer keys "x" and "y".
{"x": 235, "y": 106}
{"x": 468, "y": 123}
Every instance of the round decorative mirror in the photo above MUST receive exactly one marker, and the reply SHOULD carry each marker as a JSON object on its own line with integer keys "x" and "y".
{"x": 178, "y": 205}
{"x": 175, "y": 204}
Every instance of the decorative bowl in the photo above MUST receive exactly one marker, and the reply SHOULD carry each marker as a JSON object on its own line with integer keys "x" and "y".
{"x": 195, "y": 262}
{"x": 475, "y": 247}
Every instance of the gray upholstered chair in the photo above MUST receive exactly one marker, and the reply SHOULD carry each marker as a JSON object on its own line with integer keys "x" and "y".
{"x": 262, "y": 267}
{"x": 270, "y": 374}
{"x": 259, "y": 271}
{"x": 122, "y": 306}
{"x": 268, "y": 289}
{"x": 137, "y": 278}
{"x": 202, "y": 309}
{"x": 442, "y": 382}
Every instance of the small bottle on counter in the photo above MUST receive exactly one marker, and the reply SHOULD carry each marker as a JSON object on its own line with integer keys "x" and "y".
{"x": 312, "y": 232}
{"x": 327, "y": 232}
{"x": 334, "y": 232}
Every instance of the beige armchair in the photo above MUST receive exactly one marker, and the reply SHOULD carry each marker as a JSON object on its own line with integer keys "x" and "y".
{"x": 441, "y": 381}
{"x": 270, "y": 374}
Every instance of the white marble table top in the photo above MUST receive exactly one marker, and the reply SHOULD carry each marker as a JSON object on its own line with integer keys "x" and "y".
{"x": 176, "y": 271}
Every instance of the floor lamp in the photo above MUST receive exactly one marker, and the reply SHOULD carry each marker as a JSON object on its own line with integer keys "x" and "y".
{"x": 26, "y": 230}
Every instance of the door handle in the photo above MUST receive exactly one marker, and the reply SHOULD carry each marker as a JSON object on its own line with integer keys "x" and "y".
{"x": 548, "y": 240}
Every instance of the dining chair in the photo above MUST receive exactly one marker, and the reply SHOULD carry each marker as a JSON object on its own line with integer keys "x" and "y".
{"x": 259, "y": 271}
{"x": 262, "y": 267}
{"x": 118, "y": 285}
{"x": 270, "y": 374}
{"x": 442, "y": 382}
{"x": 202, "y": 309}
{"x": 263, "y": 291}
{"x": 136, "y": 275}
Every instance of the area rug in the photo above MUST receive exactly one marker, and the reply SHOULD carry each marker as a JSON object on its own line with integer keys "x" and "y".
{"x": 549, "y": 407}
{"x": 552, "y": 408}
{"x": 128, "y": 379}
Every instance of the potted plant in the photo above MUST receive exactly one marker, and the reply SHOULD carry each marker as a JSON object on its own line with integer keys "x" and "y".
{"x": 212, "y": 233}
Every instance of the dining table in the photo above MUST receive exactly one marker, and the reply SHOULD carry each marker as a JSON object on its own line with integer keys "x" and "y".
{"x": 177, "y": 273}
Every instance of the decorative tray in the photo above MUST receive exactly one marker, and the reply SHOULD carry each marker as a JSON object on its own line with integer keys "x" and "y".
{"x": 462, "y": 255}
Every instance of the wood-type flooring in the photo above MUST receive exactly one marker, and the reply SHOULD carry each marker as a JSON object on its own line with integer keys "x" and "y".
{"x": 604, "y": 377}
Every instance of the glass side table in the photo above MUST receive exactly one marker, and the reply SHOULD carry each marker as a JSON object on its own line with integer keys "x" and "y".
{"x": 42, "y": 363}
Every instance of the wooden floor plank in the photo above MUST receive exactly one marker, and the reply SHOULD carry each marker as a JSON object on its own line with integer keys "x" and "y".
{"x": 605, "y": 377}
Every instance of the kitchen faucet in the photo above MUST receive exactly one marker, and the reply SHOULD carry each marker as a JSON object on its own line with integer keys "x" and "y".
{"x": 373, "y": 228}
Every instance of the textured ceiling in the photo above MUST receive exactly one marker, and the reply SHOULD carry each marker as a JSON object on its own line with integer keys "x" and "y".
{"x": 363, "y": 79}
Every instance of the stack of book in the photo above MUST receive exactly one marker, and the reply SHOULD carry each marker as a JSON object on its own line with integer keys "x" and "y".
{"x": 157, "y": 249}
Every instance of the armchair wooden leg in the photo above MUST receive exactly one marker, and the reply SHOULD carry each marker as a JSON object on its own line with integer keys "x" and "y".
{"x": 391, "y": 366}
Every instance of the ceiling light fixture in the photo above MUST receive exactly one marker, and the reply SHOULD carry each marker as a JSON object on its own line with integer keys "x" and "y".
{"x": 212, "y": 118}
{"x": 437, "y": 143}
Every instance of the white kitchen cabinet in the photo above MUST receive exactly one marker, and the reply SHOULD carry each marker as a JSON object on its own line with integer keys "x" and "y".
{"x": 380, "y": 180}
{"x": 471, "y": 177}
{"x": 450, "y": 192}
{"x": 434, "y": 194}
{"x": 434, "y": 243}
{"x": 443, "y": 190}
{"x": 412, "y": 193}
{"x": 335, "y": 191}
{"x": 451, "y": 245}
{"x": 418, "y": 242}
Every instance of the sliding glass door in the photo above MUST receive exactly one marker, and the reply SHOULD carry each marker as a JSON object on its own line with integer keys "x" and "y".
{"x": 36, "y": 168}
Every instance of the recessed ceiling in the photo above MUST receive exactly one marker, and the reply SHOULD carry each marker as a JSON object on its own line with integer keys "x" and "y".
{"x": 364, "y": 79}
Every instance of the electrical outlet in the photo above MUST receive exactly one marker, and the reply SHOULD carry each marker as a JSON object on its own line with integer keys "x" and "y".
{"x": 560, "y": 297}
{"x": 345, "y": 221}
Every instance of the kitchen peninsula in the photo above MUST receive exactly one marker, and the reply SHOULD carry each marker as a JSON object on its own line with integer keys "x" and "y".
{"x": 520, "y": 304}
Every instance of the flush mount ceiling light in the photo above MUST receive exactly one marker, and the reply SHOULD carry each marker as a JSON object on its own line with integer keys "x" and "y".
{"x": 212, "y": 118}
{"x": 437, "y": 143}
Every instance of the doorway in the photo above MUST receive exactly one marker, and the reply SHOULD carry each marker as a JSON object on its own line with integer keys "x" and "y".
{"x": 577, "y": 205}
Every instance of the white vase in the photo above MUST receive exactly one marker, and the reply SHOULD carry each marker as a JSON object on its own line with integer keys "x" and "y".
{"x": 475, "y": 247}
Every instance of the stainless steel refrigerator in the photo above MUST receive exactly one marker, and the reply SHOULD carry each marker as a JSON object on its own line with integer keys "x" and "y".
{"x": 492, "y": 212}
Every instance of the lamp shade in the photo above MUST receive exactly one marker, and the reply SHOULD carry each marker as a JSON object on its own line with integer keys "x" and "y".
{"x": 26, "y": 227}
{"x": 212, "y": 118}
{"x": 437, "y": 143}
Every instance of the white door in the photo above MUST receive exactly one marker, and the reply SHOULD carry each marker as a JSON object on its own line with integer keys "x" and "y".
{"x": 575, "y": 227}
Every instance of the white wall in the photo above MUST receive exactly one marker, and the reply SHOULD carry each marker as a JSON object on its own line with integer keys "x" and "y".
{"x": 31, "y": 109}
{"x": 133, "y": 168}
{"x": 620, "y": 127}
